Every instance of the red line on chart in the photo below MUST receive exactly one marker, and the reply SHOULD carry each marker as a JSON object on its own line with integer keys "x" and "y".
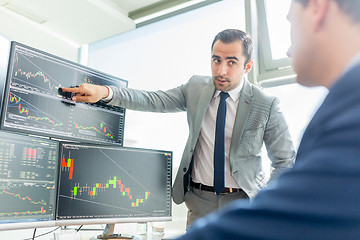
{"x": 102, "y": 126}
{"x": 22, "y": 198}
{"x": 42, "y": 210}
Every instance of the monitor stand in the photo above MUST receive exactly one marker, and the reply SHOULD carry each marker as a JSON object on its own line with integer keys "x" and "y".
{"x": 109, "y": 234}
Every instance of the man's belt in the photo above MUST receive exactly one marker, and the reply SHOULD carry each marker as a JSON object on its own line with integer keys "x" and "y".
{"x": 211, "y": 189}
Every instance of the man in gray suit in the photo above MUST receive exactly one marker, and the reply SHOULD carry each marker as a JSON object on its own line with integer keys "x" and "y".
{"x": 251, "y": 119}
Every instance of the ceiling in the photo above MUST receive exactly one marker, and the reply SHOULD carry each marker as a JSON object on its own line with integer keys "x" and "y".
{"x": 79, "y": 21}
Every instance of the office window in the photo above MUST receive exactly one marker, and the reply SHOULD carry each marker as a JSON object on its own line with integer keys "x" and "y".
{"x": 279, "y": 27}
{"x": 274, "y": 38}
{"x": 298, "y": 104}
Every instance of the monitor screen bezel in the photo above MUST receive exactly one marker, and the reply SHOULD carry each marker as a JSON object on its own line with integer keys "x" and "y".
{"x": 33, "y": 222}
{"x": 86, "y": 221}
{"x": 5, "y": 78}
{"x": 19, "y": 129}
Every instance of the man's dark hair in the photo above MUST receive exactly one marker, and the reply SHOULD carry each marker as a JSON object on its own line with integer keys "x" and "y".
{"x": 232, "y": 35}
{"x": 350, "y": 7}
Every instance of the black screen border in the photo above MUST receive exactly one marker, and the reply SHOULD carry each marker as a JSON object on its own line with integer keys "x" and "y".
{"x": 89, "y": 221}
{"x": 6, "y": 90}
{"x": 34, "y": 222}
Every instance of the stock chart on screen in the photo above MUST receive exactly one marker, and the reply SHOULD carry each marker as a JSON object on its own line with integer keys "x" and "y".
{"x": 113, "y": 182}
{"x": 35, "y": 104}
{"x": 28, "y": 176}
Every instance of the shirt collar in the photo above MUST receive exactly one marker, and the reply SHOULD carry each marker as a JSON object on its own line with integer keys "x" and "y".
{"x": 234, "y": 94}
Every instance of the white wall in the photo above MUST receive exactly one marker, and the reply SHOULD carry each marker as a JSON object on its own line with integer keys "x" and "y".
{"x": 21, "y": 29}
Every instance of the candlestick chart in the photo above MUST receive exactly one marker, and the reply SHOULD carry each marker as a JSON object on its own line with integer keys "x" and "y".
{"x": 28, "y": 199}
{"x": 32, "y": 112}
{"x": 96, "y": 123}
{"x": 107, "y": 181}
{"x": 28, "y": 173}
{"x": 35, "y": 103}
{"x": 44, "y": 73}
{"x": 39, "y": 74}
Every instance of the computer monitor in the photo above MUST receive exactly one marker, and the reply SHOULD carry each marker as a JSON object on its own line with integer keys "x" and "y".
{"x": 4, "y": 60}
{"x": 33, "y": 102}
{"x": 28, "y": 181}
{"x": 112, "y": 184}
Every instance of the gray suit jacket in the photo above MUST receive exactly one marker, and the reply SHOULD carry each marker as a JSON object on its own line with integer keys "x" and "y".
{"x": 258, "y": 121}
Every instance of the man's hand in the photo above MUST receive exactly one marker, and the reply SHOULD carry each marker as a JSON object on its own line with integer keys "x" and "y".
{"x": 88, "y": 92}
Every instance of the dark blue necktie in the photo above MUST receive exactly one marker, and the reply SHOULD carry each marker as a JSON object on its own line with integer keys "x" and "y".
{"x": 219, "y": 148}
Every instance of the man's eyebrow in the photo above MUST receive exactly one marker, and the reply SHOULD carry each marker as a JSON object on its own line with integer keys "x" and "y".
{"x": 234, "y": 58}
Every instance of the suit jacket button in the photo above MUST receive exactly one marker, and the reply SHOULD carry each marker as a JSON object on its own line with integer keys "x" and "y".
{"x": 184, "y": 169}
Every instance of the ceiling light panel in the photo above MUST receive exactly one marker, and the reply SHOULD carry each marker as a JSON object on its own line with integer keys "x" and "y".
{"x": 25, "y": 13}
{"x": 3, "y": 3}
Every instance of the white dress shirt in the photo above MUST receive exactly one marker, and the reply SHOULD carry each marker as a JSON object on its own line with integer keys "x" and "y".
{"x": 203, "y": 166}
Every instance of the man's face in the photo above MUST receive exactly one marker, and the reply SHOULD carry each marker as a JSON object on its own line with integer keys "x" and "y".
{"x": 227, "y": 65}
{"x": 301, "y": 49}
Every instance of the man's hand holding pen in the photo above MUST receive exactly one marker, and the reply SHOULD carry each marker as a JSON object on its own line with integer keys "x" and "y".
{"x": 86, "y": 92}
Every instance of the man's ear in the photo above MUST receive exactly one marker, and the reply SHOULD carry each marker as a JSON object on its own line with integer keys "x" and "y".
{"x": 248, "y": 66}
{"x": 319, "y": 9}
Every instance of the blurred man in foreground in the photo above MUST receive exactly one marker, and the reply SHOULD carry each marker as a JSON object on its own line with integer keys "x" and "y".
{"x": 318, "y": 198}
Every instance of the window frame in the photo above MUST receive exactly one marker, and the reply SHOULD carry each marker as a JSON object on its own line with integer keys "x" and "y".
{"x": 271, "y": 72}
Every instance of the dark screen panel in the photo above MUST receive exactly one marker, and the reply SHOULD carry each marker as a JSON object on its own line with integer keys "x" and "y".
{"x": 113, "y": 182}
{"x": 28, "y": 178}
{"x": 34, "y": 104}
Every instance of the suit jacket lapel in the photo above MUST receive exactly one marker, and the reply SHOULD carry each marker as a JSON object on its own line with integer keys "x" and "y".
{"x": 205, "y": 98}
{"x": 242, "y": 114}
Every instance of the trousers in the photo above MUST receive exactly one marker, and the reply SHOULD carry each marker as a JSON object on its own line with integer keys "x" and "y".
{"x": 201, "y": 203}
